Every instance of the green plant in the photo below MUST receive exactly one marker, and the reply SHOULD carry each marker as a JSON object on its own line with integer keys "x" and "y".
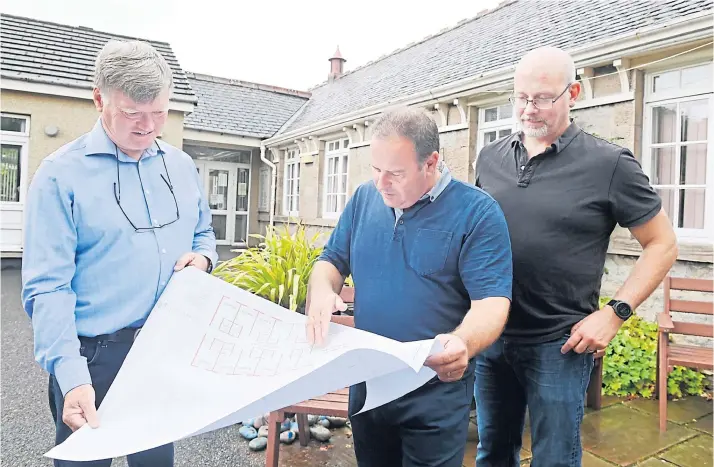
{"x": 630, "y": 365}
{"x": 278, "y": 269}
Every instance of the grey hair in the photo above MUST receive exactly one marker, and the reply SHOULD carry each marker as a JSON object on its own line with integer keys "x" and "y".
{"x": 134, "y": 68}
{"x": 413, "y": 124}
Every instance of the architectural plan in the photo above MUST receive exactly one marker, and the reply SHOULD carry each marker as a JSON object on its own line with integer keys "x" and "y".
{"x": 211, "y": 355}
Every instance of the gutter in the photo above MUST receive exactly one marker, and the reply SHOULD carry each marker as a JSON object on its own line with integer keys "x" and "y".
{"x": 694, "y": 27}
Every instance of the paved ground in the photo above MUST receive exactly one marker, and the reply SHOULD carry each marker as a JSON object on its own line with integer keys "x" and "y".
{"x": 621, "y": 433}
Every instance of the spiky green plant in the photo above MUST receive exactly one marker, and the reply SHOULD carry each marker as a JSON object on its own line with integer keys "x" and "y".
{"x": 278, "y": 269}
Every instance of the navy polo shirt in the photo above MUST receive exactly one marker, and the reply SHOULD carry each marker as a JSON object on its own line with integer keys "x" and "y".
{"x": 415, "y": 275}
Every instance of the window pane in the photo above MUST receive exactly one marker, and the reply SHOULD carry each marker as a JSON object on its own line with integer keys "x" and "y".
{"x": 219, "y": 226}
{"x": 699, "y": 77}
{"x": 13, "y": 124}
{"x": 664, "y": 123}
{"x": 491, "y": 115}
{"x": 218, "y": 194}
{"x": 503, "y": 133}
{"x": 663, "y": 166}
{"x": 693, "y": 169}
{"x": 489, "y": 137}
{"x": 667, "y": 195}
{"x": 695, "y": 119}
{"x": 10, "y": 173}
{"x": 242, "y": 191}
{"x": 505, "y": 111}
{"x": 241, "y": 228}
{"x": 691, "y": 208}
{"x": 666, "y": 81}
{"x": 345, "y": 143}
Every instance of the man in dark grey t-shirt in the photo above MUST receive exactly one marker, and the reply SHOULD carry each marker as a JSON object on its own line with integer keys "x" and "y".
{"x": 562, "y": 191}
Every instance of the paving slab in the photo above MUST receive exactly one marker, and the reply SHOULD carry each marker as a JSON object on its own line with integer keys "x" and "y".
{"x": 704, "y": 424}
{"x": 654, "y": 462}
{"x": 624, "y": 436}
{"x": 696, "y": 452}
{"x": 685, "y": 410}
{"x": 588, "y": 461}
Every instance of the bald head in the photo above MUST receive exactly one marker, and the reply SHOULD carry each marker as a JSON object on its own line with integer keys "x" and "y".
{"x": 546, "y": 76}
{"x": 548, "y": 61}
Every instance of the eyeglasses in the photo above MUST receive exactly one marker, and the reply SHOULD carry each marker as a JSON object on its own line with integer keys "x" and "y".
{"x": 117, "y": 192}
{"x": 541, "y": 103}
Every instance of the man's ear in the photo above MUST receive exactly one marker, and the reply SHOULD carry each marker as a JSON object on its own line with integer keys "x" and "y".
{"x": 432, "y": 162}
{"x": 98, "y": 100}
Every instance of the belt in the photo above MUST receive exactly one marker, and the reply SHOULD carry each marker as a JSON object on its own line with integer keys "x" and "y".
{"x": 122, "y": 335}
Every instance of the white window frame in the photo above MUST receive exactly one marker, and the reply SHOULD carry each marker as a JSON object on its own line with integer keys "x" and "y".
{"x": 292, "y": 159}
{"x": 496, "y": 125}
{"x": 653, "y": 100}
{"x": 342, "y": 155}
{"x": 21, "y": 139}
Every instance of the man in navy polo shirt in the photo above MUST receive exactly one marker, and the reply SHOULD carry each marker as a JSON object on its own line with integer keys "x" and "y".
{"x": 562, "y": 191}
{"x": 430, "y": 257}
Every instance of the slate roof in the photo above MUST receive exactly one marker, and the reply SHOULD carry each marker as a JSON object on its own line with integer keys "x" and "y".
{"x": 490, "y": 41}
{"x": 241, "y": 108}
{"x": 45, "y": 52}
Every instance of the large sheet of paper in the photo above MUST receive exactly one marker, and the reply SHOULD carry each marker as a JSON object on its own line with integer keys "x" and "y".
{"x": 211, "y": 355}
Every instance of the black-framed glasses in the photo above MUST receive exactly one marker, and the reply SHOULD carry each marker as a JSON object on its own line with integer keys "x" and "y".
{"x": 167, "y": 180}
{"x": 541, "y": 103}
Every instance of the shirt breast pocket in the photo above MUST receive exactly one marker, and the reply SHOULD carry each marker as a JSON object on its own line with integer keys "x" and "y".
{"x": 429, "y": 251}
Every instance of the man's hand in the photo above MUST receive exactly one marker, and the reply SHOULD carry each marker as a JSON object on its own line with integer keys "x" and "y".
{"x": 450, "y": 363}
{"x": 594, "y": 332}
{"x": 79, "y": 408}
{"x": 319, "y": 314}
{"x": 192, "y": 259}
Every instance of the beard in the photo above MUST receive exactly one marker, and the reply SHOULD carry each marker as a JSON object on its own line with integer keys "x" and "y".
{"x": 534, "y": 132}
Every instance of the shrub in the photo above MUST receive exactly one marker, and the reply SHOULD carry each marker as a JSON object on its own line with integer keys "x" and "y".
{"x": 630, "y": 365}
{"x": 278, "y": 269}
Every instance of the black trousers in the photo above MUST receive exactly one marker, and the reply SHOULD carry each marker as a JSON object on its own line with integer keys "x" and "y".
{"x": 427, "y": 427}
{"x": 104, "y": 360}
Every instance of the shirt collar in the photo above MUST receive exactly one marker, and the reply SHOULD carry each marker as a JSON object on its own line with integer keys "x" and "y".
{"x": 558, "y": 145}
{"x": 440, "y": 186}
{"x": 99, "y": 143}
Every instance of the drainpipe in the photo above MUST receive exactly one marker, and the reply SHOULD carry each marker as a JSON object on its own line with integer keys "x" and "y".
{"x": 273, "y": 182}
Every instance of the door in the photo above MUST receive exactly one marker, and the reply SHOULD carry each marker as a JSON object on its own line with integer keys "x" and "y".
{"x": 227, "y": 188}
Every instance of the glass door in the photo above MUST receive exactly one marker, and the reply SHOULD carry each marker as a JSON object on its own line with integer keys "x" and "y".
{"x": 242, "y": 202}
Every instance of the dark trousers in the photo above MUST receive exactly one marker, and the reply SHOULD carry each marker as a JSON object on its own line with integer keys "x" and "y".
{"x": 104, "y": 360}
{"x": 511, "y": 376}
{"x": 427, "y": 427}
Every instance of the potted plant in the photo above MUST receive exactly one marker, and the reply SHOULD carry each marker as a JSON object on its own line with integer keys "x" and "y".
{"x": 278, "y": 269}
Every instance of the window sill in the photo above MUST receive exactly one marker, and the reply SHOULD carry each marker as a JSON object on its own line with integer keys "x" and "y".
{"x": 699, "y": 251}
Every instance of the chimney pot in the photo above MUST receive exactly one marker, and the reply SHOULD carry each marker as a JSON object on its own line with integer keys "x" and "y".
{"x": 337, "y": 63}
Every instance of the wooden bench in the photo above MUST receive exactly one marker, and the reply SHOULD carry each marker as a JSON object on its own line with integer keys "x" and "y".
{"x": 670, "y": 354}
{"x": 333, "y": 404}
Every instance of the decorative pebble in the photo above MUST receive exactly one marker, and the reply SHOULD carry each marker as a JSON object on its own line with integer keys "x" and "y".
{"x": 311, "y": 419}
{"x": 248, "y": 432}
{"x": 288, "y": 437}
{"x": 258, "y": 422}
{"x": 263, "y": 431}
{"x": 258, "y": 444}
{"x": 285, "y": 426}
{"x": 294, "y": 427}
{"x": 320, "y": 433}
{"x": 337, "y": 422}
{"x": 325, "y": 423}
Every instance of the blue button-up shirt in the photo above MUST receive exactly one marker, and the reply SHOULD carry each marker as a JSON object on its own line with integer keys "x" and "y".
{"x": 85, "y": 269}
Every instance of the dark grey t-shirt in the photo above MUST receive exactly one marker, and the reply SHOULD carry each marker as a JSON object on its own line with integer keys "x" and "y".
{"x": 561, "y": 207}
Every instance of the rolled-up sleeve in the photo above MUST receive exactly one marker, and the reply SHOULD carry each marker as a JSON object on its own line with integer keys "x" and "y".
{"x": 204, "y": 238}
{"x": 48, "y": 266}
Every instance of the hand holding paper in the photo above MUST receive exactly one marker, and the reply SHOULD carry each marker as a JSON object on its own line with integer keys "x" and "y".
{"x": 451, "y": 363}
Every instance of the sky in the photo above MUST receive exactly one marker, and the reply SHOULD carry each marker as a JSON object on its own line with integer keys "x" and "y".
{"x": 280, "y": 42}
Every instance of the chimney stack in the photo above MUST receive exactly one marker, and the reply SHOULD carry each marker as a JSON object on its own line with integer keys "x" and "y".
{"x": 337, "y": 64}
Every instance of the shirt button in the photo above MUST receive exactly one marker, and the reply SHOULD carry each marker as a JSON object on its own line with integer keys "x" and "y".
{"x": 163, "y": 251}
{"x": 523, "y": 167}
{"x": 401, "y": 221}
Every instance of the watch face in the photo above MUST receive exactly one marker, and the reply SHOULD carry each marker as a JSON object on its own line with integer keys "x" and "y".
{"x": 622, "y": 309}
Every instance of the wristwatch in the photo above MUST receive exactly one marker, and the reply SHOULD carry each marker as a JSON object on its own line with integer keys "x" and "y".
{"x": 622, "y": 310}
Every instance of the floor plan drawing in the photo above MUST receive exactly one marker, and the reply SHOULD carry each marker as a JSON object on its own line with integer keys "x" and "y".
{"x": 243, "y": 341}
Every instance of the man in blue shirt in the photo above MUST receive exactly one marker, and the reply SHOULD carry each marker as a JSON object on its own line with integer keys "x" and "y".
{"x": 430, "y": 257}
{"x": 110, "y": 216}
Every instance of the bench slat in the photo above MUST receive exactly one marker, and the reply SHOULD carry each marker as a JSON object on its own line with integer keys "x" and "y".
{"x": 683, "y": 283}
{"x": 332, "y": 409}
{"x": 691, "y": 306}
{"x": 691, "y": 356}
{"x": 693, "y": 329}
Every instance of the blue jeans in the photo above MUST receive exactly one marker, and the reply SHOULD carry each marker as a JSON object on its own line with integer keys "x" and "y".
{"x": 511, "y": 376}
{"x": 104, "y": 360}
